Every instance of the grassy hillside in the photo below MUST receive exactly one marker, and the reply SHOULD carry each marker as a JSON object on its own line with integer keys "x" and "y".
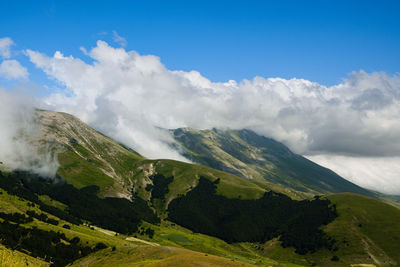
{"x": 367, "y": 231}
{"x": 254, "y": 157}
{"x": 370, "y": 227}
{"x": 86, "y": 156}
{"x": 15, "y": 258}
{"x": 86, "y": 236}
{"x": 121, "y": 248}
{"x": 155, "y": 256}
{"x": 186, "y": 177}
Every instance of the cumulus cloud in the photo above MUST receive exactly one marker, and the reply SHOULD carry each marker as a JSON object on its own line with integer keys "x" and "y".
{"x": 12, "y": 69}
{"x": 129, "y": 96}
{"x": 5, "y": 47}
{"x": 20, "y": 146}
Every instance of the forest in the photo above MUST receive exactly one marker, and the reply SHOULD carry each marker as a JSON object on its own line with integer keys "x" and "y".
{"x": 296, "y": 223}
{"x": 117, "y": 214}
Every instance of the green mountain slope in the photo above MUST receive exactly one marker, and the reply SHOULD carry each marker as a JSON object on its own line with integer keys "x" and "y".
{"x": 116, "y": 190}
{"x": 87, "y": 157}
{"x": 26, "y": 194}
{"x": 257, "y": 158}
{"x": 9, "y": 257}
{"x": 367, "y": 231}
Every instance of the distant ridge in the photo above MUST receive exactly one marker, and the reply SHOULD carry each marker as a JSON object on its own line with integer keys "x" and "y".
{"x": 258, "y": 158}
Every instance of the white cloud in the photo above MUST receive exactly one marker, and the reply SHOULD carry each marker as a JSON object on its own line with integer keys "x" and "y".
{"x": 381, "y": 174}
{"x": 12, "y": 69}
{"x": 5, "y": 47}
{"x": 19, "y": 137}
{"x": 127, "y": 96}
{"x": 119, "y": 39}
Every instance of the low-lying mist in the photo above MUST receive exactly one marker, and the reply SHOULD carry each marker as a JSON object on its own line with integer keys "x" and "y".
{"x": 20, "y": 145}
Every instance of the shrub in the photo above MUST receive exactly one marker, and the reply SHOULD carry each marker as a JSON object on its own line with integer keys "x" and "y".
{"x": 335, "y": 258}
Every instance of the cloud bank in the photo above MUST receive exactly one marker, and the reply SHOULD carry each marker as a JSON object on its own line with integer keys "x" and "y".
{"x": 378, "y": 173}
{"x": 19, "y": 137}
{"x": 129, "y": 96}
{"x": 358, "y": 116}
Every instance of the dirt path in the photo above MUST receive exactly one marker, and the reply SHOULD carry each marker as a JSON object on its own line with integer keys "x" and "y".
{"x": 142, "y": 241}
{"x": 130, "y": 238}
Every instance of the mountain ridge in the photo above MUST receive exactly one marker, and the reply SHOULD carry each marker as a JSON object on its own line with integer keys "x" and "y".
{"x": 251, "y": 156}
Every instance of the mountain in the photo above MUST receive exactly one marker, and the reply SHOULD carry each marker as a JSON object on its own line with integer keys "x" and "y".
{"x": 260, "y": 159}
{"x": 108, "y": 205}
{"x": 87, "y": 157}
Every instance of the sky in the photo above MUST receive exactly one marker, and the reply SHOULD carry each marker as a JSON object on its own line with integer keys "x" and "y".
{"x": 321, "y": 41}
{"x": 320, "y": 76}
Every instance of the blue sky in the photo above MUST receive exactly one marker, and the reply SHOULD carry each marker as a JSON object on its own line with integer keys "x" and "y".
{"x": 321, "y": 41}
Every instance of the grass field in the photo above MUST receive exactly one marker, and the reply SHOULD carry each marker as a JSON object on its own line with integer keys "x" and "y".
{"x": 174, "y": 243}
{"x": 367, "y": 231}
{"x": 154, "y": 256}
{"x": 15, "y": 258}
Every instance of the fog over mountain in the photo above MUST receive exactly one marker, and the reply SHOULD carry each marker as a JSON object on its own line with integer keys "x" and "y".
{"x": 129, "y": 97}
{"x": 20, "y": 134}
